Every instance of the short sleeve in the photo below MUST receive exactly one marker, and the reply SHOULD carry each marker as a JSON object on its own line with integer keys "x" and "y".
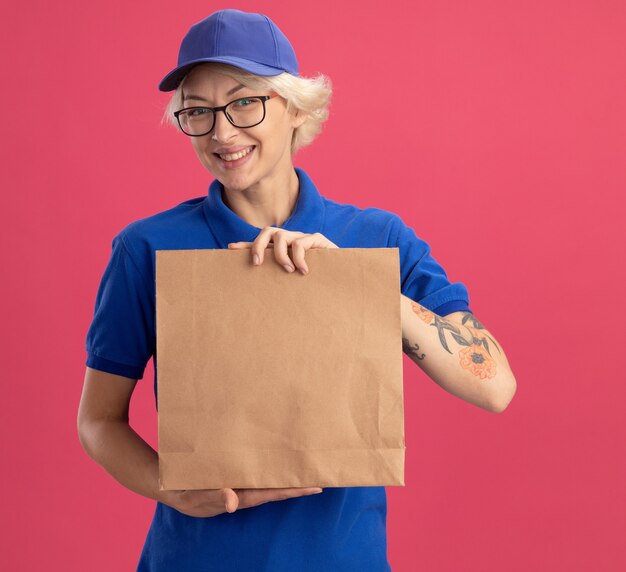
{"x": 120, "y": 339}
{"x": 422, "y": 277}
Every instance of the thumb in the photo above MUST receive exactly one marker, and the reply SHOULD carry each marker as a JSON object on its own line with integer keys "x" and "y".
{"x": 231, "y": 500}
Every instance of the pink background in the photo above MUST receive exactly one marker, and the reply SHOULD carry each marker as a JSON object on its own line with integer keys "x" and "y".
{"x": 496, "y": 129}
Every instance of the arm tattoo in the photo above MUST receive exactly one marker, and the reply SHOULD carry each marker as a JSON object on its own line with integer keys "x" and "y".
{"x": 476, "y": 325}
{"x": 442, "y": 325}
{"x": 411, "y": 349}
{"x": 475, "y": 354}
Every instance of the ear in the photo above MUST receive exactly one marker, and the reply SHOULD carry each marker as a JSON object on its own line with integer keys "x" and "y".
{"x": 298, "y": 118}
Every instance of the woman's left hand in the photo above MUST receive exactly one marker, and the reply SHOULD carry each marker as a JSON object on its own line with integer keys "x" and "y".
{"x": 280, "y": 239}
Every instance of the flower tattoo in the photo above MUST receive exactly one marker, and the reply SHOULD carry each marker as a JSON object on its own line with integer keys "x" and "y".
{"x": 478, "y": 361}
{"x": 422, "y": 313}
{"x": 475, "y": 354}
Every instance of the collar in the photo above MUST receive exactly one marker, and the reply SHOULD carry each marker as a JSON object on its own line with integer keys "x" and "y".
{"x": 227, "y": 226}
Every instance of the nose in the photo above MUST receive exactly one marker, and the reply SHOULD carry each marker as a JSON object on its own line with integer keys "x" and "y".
{"x": 223, "y": 130}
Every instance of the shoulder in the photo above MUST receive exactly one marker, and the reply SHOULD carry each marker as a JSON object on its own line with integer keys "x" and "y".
{"x": 141, "y": 236}
{"x": 352, "y": 212}
{"x": 161, "y": 221}
{"x": 362, "y": 222}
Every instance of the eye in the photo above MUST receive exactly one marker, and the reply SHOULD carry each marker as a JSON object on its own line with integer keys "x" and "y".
{"x": 197, "y": 111}
{"x": 244, "y": 102}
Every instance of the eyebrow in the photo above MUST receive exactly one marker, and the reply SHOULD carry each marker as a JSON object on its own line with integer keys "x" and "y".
{"x": 235, "y": 89}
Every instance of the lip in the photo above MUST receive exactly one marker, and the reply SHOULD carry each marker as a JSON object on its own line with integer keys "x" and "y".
{"x": 237, "y": 162}
{"x": 231, "y": 150}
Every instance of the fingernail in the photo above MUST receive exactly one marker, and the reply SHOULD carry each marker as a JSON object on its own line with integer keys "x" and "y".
{"x": 303, "y": 271}
{"x": 317, "y": 492}
{"x": 256, "y": 259}
{"x": 288, "y": 267}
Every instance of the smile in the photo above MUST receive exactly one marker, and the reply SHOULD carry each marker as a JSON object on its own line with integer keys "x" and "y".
{"x": 235, "y": 160}
{"x": 235, "y": 156}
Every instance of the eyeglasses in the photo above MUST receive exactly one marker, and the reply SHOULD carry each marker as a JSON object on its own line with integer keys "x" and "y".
{"x": 243, "y": 113}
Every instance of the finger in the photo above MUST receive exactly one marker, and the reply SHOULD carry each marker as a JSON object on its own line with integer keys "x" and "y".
{"x": 255, "y": 497}
{"x": 301, "y": 245}
{"x": 260, "y": 244}
{"x": 235, "y": 245}
{"x": 298, "y": 248}
{"x": 318, "y": 240}
{"x": 230, "y": 500}
{"x": 281, "y": 254}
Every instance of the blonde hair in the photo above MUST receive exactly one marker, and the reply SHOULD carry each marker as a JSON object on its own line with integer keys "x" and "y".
{"x": 310, "y": 96}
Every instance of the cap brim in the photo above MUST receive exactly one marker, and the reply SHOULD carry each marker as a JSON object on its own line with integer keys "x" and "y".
{"x": 171, "y": 80}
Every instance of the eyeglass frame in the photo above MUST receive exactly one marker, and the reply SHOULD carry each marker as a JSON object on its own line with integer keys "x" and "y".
{"x": 263, "y": 99}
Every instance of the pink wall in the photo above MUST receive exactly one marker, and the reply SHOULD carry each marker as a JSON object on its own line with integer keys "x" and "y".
{"x": 496, "y": 129}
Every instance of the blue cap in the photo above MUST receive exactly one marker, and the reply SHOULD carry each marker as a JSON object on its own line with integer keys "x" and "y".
{"x": 248, "y": 41}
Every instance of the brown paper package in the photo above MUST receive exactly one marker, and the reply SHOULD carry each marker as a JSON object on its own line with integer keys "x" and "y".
{"x": 274, "y": 379}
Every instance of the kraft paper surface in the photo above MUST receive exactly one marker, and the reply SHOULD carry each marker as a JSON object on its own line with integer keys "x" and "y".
{"x": 274, "y": 379}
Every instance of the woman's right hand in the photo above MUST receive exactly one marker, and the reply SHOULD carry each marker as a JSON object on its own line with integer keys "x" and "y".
{"x": 211, "y": 502}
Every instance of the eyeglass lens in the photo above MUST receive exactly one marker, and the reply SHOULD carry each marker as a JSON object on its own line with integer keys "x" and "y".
{"x": 245, "y": 112}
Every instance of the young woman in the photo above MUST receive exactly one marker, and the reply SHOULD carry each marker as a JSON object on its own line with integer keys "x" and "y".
{"x": 239, "y": 98}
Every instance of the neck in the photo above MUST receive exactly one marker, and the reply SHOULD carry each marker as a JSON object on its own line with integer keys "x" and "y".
{"x": 268, "y": 202}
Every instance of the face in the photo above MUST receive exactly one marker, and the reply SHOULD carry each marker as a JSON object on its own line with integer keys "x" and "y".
{"x": 268, "y": 145}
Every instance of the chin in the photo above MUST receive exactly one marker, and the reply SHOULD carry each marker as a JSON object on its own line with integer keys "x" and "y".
{"x": 234, "y": 181}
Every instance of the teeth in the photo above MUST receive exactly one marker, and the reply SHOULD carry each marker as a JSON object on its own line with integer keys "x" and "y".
{"x": 235, "y": 156}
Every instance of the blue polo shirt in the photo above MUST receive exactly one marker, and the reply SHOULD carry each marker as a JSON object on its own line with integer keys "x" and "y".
{"x": 341, "y": 529}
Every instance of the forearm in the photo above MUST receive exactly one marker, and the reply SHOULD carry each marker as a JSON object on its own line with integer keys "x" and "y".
{"x": 115, "y": 446}
{"x": 464, "y": 360}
